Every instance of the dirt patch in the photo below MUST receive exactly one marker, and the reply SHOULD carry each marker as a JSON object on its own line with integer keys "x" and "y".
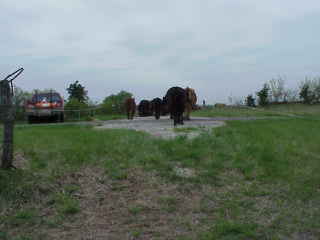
{"x": 141, "y": 206}
{"x": 19, "y": 160}
{"x": 164, "y": 127}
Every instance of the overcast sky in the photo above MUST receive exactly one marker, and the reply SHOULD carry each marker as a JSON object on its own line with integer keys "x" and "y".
{"x": 219, "y": 48}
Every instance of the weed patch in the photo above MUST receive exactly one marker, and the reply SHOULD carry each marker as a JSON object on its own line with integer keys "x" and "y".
{"x": 66, "y": 204}
{"x": 232, "y": 230}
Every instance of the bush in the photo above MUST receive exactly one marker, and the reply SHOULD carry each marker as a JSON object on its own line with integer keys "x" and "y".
{"x": 75, "y": 104}
{"x": 115, "y": 103}
{"x": 76, "y": 109}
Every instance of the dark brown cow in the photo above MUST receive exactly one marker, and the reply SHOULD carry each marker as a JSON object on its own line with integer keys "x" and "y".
{"x": 177, "y": 98}
{"x": 144, "y": 108}
{"x": 156, "y": 106}
{"x": 164, "y": 107}
{"x": 130, "y": 106}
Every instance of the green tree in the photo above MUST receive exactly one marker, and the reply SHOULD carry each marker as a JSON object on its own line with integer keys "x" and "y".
{"x": 115, "y": 102}
{"x": 263, "y": 95}
{"x": 250, "y": 101}
{"x": 18, "y": 100}
{"x": 75, "y": 109}
{"x": 305, "y": 93}
{"x": 74, "y": 104}
{"x": 20, "y": 96}
{"x": 317, "y": 93}
{"x": 77, "y": 91}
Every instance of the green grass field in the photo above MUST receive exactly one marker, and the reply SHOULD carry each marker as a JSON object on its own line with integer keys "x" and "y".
{"x": 237, "y": 112}
{"x": 272, "y": 110}
{"x": 250, "y": 180}
{"x": 76, "y": 118}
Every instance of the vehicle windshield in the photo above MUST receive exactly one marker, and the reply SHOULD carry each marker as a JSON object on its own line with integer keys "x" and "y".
{"x": 46, "y": 97}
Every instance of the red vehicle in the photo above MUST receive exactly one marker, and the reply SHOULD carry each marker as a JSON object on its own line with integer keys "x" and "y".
{"x": 49, "y": 105}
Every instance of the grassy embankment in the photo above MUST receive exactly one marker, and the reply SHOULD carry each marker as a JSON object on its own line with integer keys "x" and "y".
{"x": 249, "y": 180}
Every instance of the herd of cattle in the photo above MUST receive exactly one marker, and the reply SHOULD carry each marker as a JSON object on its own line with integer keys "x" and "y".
{"x": 177, "y": 101}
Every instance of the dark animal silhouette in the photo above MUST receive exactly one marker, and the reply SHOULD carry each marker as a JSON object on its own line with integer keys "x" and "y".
{"x": 164, "y": 107}
{"x": 156, "y": 106}
{"x": 177, "y": 98}
{"x": 130, "y": 106}
{"x": 144, "y": 108}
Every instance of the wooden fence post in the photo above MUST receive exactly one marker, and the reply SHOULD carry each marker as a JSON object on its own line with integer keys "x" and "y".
{"x": 7, "y": 115}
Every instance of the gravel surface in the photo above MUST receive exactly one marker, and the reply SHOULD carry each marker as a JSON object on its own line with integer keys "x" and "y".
{"x": 164, "y": 126}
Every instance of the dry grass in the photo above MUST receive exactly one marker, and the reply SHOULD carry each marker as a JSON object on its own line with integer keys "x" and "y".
{"x": 141, "y": 205}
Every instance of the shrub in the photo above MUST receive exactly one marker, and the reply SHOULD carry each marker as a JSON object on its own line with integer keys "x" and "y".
{"x": 75, "y": 104}
{"x": 74, "y": 108}
{"x": 115, "y": 103}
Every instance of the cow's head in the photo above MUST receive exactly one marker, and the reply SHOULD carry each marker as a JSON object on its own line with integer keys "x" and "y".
{"x": 191, "y": 96}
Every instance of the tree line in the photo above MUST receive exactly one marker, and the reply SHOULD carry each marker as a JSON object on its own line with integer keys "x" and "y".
{"x": 78, "y": 99}
{"x": 274, "y": 92}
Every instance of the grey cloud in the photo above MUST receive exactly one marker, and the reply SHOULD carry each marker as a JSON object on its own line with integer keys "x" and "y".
{"x": 218, "y": 47}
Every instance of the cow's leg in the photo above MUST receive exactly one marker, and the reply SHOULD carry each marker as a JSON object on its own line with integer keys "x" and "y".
{"x": 181, "y": 119}
{"x": 186, "y": 116}
{"x": 187, "y": 112}
{"x": 175, "y": 120}
{"x": 178, "y": 119}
